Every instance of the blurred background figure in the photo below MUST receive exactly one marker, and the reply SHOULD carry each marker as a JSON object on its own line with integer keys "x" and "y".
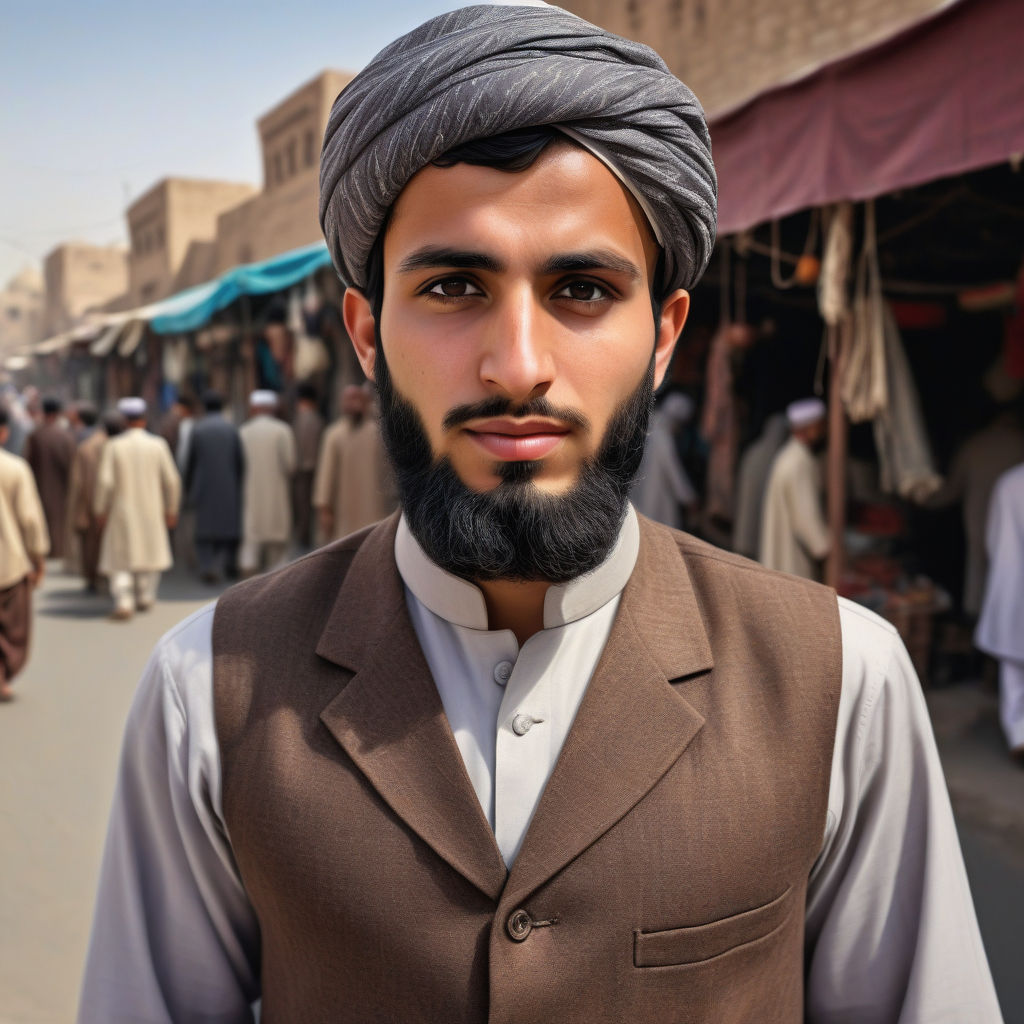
{"x": 354, "y": 485}
{"x": 794, "y": 534}
{"x": 976, "y": 466}
{"x": 663, "y": 490}
{"x": 1001, "y": 626}
{"x": 81, "y": 492}
{"x": 213, "y": 476}
{"x": 137, "y": 494}
{"x": 49, "y": 450}
{"x": 309, "y": 427}
{"x": 23, "y": 546}
{"x": 751, "y": 481}
{"x": 269, "y": 448}
{"x": 176, "y": 428}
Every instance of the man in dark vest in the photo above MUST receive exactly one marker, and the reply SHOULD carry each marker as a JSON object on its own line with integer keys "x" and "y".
{"x": 517, "y": 754}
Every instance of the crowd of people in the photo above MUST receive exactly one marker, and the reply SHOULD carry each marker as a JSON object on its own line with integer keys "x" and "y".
{"x": 120, "y": 503}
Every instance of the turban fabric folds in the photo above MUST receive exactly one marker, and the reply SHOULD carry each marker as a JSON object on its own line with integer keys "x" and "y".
{"x": 485, "y": 70}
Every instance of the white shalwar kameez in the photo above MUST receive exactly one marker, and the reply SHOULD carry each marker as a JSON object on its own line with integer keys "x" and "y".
{"x": 1001, "y": 626}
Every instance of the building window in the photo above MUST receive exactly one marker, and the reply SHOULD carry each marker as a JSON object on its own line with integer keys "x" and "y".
{"x": 310, "y": 149}
{"x": 159, "y": 238}
{"x": 278, "y": 169}
{"x": 292, "y": 167}
{"x": 676, "y": 13}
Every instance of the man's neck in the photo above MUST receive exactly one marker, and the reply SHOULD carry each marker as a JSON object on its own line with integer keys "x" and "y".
{"x": 515, "y": 605}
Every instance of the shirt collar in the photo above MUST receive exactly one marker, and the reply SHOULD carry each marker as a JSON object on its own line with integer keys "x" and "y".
{"x": 462, "y": 603}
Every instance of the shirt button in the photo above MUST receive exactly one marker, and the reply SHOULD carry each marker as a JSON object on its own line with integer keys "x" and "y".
{"x": 522, "y": 724}
{"x": 502, "y": 672}
{"x": 518, "y": 925}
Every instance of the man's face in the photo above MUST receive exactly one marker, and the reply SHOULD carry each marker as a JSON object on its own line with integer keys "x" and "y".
{"x": 501, "y": 288}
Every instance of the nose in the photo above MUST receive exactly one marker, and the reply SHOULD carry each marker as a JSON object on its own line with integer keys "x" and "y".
{"x": 517, "y": 356}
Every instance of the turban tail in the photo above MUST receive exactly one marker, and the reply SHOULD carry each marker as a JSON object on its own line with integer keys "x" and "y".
{"x": 485, "y": 70}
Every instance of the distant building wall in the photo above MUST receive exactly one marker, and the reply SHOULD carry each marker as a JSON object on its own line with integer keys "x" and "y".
{"x": 173, "y": 231}
{"x": 22, "y": 302}
{"x": 730, "y": 50}
{"x": 80, "y": 277}
{"x": 284, "y": 215}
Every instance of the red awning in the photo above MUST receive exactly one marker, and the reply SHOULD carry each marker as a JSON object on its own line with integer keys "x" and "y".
{"x": 943, "y": 97}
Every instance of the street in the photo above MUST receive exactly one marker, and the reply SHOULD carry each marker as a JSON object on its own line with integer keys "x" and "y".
{"x": 60, "y": 741}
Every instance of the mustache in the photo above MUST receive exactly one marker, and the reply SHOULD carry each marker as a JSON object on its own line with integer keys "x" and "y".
{"x": 495, "y": 406}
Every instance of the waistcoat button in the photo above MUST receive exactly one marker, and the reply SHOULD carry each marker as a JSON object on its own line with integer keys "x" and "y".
{"x": 502, "y": 672}
{"x": 518, "y": 925}
{"x": 522, "y": 724}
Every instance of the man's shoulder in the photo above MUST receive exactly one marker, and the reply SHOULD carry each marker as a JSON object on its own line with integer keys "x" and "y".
{"x": 12, "y": 467}
{"x": 737, "y": 572}
{"x": 306, "y": 588}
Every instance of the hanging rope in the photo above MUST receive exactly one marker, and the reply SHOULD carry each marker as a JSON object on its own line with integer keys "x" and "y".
{"x": 776, "y": 251}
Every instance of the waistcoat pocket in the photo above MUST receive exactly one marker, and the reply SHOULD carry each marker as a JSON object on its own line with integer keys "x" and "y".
{"x": 697, "y": 943}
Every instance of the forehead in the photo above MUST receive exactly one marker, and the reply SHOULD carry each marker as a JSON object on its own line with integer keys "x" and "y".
{"x": 566, "y": 200}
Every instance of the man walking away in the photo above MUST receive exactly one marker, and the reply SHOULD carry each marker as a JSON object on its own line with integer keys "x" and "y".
{"x": 213, "y": 489}
{"x": 794, "y": 534}
{"x": 354, "y": 484}
{"x": 309, "y": 427}
{"x": 137, "y": 494}
{"x": 269, "y": 447}
{"x": 999, "y": 628}
{"x": 82, "y": 490}
{"x": 23, "y": 545}
{"x": 49, "y": 450}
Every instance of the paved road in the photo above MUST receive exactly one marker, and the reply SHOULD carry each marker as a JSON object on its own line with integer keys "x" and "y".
{"x": 59, "y": 743}
{"x": 58, "y": 752}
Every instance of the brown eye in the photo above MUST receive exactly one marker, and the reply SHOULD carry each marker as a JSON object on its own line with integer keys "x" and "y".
{"x": 454, "y": 288}
{"x": 584, "y": 291}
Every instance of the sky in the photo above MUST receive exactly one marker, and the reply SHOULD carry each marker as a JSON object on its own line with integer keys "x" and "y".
{"x": 100, "y": 100}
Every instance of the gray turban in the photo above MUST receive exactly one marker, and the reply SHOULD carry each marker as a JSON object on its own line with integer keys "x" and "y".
{"x": 485, "y": 70}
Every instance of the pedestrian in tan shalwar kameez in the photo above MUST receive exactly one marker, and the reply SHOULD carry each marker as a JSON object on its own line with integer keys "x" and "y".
{"x": 308, "y": 427}
{"x": 23, "y": 545}
{"x": 81, "y": 491}
{"x": 269, "y": 447}
{"x": 354, "y": 485}
{"x": 49, "y": 450}
{"x": 137, "y": 495}
{"x": 794, "y": 535}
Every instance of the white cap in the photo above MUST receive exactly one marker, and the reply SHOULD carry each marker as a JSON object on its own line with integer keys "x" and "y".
{"x": 132, "y": 408}
{"x": 805, "y": 412}
{"x": 263, "y": 399}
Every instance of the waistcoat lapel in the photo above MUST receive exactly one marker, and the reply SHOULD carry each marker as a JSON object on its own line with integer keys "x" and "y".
{"x": 632, "y": 725}
{"x": 390, "y": 721}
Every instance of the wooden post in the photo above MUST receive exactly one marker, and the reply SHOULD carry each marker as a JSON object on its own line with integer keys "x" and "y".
{"x": 837, "y": 448}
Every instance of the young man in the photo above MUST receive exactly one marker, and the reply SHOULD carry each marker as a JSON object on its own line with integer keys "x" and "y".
{"x": 518, "y": 755}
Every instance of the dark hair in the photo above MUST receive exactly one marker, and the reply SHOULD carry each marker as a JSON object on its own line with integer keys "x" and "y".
{"x": 511, "y": 152}
{"x": 213, "y": 401}
{"x": 52, "y": 405}
{"x": 187, "y": 401}
{"x": 5, "y": 417}
{"x": 113, "y": 423}
{"x": 87, "y": 414}
{"x": 307, "y": 391}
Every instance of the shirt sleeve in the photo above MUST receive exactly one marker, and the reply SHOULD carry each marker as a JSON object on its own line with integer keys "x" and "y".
{"x": 31, "y": 520}
{"x": 174, "y": 937}
{"x": 892, "y": 937}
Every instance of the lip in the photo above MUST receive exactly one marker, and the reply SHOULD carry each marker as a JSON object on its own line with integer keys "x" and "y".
{"x": 511, "y": 440}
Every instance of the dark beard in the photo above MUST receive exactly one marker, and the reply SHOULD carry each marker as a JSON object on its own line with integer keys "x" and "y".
{"x": 515, "y": 531}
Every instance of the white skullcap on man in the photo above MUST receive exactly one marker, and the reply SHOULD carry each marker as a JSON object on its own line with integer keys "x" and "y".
{"x": 132, "y": 407}
{"x": 263, "y": 399}
{"x": 805, "y": 412}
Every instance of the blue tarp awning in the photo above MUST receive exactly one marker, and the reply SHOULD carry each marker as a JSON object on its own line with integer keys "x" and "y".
{"x": 190, "y": 309}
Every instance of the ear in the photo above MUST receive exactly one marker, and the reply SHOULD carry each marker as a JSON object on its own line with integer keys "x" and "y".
{"x": 674, "y": 311}
{"x": 359, "y": 322}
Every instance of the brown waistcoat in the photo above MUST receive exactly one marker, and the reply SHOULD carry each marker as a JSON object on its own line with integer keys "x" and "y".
{"x": 663, "y": 876}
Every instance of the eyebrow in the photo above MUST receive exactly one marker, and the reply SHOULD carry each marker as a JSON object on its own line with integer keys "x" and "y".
{"x": 440, "y": 256}
{"x": 433, "y": 256}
